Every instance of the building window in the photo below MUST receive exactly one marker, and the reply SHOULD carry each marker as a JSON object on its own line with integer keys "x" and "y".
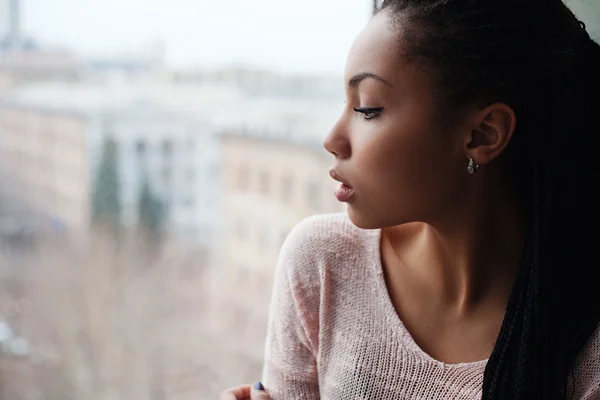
{"x": 263, "y": 238}
{"x": 190, "y": 175}
{"x": 140, "y": 148}
{"x": 314, "y": 197}
{"x": 287, "y": 189}
{"x": 167, "y": 147}
{"x": 243, "y": 177}
{"x": 214, "y": 171}
{"x": 166, "y": 203}
{"x": 190, "y": 144}
{"x": 240, "y": 230}
{"x": 189, "y": 202}
{"x": 264, "y": 182}
{"x": 166, "y": 173}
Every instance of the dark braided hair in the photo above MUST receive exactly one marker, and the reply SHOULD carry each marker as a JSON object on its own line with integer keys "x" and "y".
{"x": 537, "y": 57}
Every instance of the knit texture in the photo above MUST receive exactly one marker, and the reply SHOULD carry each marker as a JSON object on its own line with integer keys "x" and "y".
{"x": 334, "y": 333}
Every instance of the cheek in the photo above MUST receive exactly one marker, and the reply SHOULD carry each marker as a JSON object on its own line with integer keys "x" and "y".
{"x": 406, "y": 169}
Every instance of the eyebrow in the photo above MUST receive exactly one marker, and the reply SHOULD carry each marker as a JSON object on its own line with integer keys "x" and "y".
{"x": 356, "y": 79}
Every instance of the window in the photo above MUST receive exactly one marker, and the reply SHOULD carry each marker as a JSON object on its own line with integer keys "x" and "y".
{"x": 166, "y": 203}
{"x": 167, "y": 147}
{"x": 263, "y": 238}
{"x": 243, "y": 179}
{"x": 214, "y": 171}
{"x": 314, "y": 197}
{"x": 287, "y": 189}
{"x": 241, "y": 230}
{"x": 166, "y": 173}
{"x": 264, "y": 182}
{"x": 140, "y": 148}
{"x": 190, "y": 143}
{"x": 189, "y": 202}
{"x": 190, "y": 175}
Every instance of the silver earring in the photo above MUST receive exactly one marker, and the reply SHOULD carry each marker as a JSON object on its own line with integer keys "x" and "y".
{"x": 472, "y": 167}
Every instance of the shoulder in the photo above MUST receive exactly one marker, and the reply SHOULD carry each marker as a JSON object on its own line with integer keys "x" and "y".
{"x": 324, "y": 238}
{"x": 316, "y": 258}
{"x": 324, "y": 247}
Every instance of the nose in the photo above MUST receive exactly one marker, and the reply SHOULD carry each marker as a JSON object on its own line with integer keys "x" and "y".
{"x": 337, "y": 143}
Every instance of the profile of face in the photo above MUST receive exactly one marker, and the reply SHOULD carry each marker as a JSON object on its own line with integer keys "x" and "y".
{"x": 399, "y": 163}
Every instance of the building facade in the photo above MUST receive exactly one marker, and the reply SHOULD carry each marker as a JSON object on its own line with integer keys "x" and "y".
{"x": 179, "y": 157}
{"x": 10, "y": 19}
{"x": 51, "y": 151}
{"x": 5, "y": 14}
{"x": 270, "y": 185}
{"x": 44, "y": 164}
{"x": 272, "y": 179}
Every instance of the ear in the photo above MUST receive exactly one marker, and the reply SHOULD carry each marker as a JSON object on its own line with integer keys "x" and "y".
{"x": 491, "y": 131}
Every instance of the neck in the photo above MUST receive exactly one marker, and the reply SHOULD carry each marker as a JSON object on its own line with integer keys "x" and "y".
{"x": 469, "y": 256}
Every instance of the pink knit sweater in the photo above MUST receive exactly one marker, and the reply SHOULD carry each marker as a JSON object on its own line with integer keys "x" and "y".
{"x": 334, "y": 333}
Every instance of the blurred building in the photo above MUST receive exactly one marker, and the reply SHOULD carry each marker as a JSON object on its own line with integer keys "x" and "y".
{"x": 53, "y": 133}
{"x": 139, "y": 61}
{"x": 11, "y": 36}
{"x": 178, "y": 155}
{"x": 18, "y": 68}
{"x": 273, "y": 177}
{"x": 275, "y": 173}
{"x": 264, "y": 82}
{"x": 44, "y": 162}
{"x": 229, "y": 163}
{"x": 51, "y": 145}
{"x": 5, "y": 16}
{"x": 23, "y": 60}
{"x": 8, "y": 22}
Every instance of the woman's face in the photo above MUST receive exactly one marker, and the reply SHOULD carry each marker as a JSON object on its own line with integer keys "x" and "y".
{"x": 400, "y": 163}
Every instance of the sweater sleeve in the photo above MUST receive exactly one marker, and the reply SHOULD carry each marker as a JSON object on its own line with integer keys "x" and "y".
{"x": 587, "y": 370}
{"x": 290, "y": 369}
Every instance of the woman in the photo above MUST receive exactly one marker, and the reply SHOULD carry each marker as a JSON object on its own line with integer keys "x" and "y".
{"x": 466, "y": 267}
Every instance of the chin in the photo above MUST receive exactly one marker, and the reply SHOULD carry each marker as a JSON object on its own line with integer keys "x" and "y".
{"x": 363, "y": 220}
{"x": 370, "y": 220}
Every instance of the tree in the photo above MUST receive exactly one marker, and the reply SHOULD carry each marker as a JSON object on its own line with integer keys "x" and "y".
{"x": 106, "y": 204}
{"x": 151, "y": 210}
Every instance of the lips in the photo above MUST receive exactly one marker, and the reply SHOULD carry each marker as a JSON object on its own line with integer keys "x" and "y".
{"x": 343, "y": 192}
{"x": 336, "y": 177}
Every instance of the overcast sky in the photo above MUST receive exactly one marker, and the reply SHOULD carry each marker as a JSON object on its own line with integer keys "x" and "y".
{"x": 287, "y": 35}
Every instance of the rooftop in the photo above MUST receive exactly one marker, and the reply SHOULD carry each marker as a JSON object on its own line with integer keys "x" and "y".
{"x": 222, "y": 105}
{"x": 297, "y": 121}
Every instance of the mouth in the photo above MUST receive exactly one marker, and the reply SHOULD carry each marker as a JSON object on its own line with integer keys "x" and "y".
{"x": 343, "y": 192}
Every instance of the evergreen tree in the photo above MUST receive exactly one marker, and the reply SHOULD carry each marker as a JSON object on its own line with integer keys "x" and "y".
{"x": 106, "y": 205}
{"x": 151, "y": 209}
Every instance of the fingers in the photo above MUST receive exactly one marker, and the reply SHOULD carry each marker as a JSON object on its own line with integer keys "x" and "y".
{"x": 258, "y": 392}
{"x": 236, "y": 393}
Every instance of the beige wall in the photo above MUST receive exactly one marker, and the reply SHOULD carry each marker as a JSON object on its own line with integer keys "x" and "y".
{"x": 43, "y": 159}
{"x": 268, "y": 188}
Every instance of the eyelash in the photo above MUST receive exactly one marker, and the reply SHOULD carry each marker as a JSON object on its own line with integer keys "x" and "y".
{"x": 369, "y": 112}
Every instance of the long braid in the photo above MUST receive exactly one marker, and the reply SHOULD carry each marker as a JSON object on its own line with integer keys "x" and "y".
{"x": 536, "y": 57}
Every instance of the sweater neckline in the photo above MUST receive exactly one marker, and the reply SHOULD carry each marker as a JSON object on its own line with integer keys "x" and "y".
{"x": 393, "y": 318}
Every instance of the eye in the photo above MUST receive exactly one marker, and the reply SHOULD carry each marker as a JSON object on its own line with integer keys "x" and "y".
{"x": 369, "y": 112}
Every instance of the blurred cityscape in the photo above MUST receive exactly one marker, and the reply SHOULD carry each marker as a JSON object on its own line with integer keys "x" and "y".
{"x": 142, "y": 208}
